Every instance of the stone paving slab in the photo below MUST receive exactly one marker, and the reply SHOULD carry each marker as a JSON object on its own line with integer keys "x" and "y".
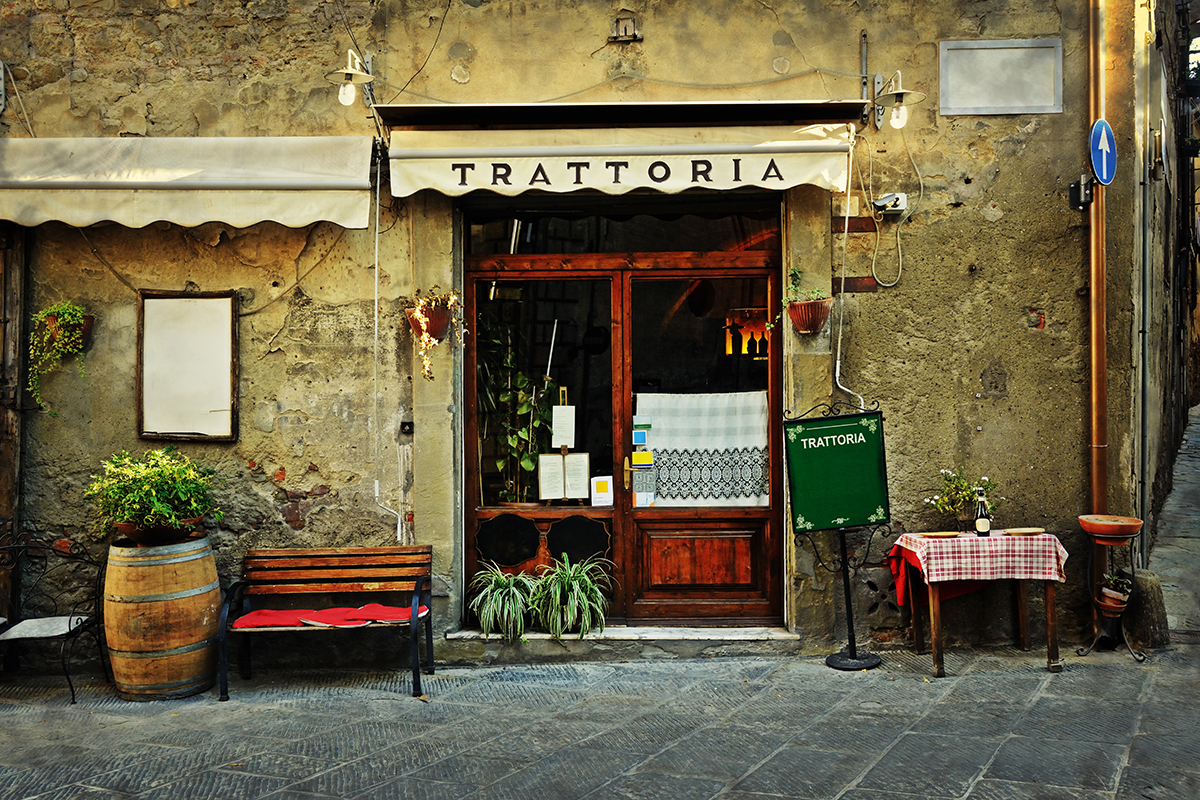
{"x": 999, "y": 727}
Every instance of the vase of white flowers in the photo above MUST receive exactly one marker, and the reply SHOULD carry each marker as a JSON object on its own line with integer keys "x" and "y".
{"x": 957, "y": 497}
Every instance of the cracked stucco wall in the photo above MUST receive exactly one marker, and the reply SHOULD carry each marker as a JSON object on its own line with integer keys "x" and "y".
{"x": 977, "y": 356}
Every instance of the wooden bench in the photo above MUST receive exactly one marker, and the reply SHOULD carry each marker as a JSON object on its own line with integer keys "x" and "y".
{"x": 331, "y": 573}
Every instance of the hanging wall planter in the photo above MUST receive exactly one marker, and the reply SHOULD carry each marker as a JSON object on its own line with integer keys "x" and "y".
{"x": 809, "y": 316}
{"x": 435, "y": 321}
{"x": 432, "y": 316}
{"x": 58, "y": 331}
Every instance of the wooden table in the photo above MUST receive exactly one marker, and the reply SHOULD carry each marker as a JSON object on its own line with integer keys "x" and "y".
{"x": 932, "y": 562}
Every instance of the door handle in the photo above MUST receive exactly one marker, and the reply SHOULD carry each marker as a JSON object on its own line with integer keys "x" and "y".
{"x": 628, "y": 471}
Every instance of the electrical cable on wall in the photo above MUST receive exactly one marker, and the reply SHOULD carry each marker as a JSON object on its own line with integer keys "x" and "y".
{"x": 432, "y": 47}
{"x": 375, "y": 361}
{"x": 4, "y": 70}
{"x": 837, "y": 361}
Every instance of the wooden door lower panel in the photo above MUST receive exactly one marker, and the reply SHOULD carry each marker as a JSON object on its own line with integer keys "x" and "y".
{"x": 710, "y": 568}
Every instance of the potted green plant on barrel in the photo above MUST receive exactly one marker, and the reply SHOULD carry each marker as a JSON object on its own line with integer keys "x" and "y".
{"x": 162, "y": 597}
{"x": 156, "y": 499}
{"x": 58, "y": 331}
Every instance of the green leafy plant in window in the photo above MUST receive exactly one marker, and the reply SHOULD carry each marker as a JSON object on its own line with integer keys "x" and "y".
{"x": 502, "y": 601}
{"x": 573, "y": 597}
{"x": 514, "y": 412}
{"x": 58, "y": 332}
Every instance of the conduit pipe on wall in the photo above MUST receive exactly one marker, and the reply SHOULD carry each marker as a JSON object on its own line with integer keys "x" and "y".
{"x": 1098, "y": 346}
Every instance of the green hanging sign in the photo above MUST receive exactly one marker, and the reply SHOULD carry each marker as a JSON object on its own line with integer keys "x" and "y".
{"x": 837, "y": 472}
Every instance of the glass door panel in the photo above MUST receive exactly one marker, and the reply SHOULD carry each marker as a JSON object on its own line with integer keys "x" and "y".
{"x": 701, "y": 374}
{"x": 701, "y": 530}
{"x": 538, "y": 343}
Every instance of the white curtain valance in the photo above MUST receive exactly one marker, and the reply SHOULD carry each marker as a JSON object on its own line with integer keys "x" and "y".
{"x": 620, "y": 160}
{"x": 293, "y": 180}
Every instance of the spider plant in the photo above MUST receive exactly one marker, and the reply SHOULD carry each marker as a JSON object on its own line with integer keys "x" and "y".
{"x": 570, "y": 596}
{"x": 501, "y": 601}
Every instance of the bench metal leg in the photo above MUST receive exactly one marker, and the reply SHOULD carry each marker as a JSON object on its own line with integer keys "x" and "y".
{"x": 429, "y": 644}
{"x": 223, "y": 665}
{"x": 414, "y": 649}
{"x": 68, "y": 645}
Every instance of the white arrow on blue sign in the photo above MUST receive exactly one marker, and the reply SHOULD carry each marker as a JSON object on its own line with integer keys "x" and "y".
{"x": 1104, "y": 152}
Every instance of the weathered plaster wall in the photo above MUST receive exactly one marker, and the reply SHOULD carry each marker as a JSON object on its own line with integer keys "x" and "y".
{"x": 315, "y": 434}
{"x": 978, "y": 356}
{"x": 180, "y": 67}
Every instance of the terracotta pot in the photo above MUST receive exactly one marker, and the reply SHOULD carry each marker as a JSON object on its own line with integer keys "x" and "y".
{"x": 439, "y": 318}
{"x": 88, "y": 322}
{"x": 1109, "y": 607}
{"x": 1112, "y": 531}
{"x": 809, "y": 316}
{"x": 157, "y": 536}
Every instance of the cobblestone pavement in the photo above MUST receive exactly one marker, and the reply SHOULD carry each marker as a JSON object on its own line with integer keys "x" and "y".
{"x": 1175, "y": 557}
{"x": 1000, "y": 727}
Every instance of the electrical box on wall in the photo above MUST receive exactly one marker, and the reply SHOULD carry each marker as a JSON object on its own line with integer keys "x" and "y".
{"x": 893, "y": 203}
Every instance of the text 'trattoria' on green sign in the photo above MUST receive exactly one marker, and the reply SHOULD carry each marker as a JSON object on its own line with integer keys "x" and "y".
{"x": 837, "y": 473}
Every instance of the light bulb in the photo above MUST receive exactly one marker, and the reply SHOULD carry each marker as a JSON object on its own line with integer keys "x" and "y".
{"x": 899, "y": 117}
{"x": 346, "y": 94}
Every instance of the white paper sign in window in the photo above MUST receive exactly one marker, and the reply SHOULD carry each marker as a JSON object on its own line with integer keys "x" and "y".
{"x": 187, "y": 366}
{"x": 1008, "y": 76}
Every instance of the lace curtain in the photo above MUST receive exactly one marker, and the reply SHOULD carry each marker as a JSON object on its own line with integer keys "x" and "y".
{"x": 709, "y": 449}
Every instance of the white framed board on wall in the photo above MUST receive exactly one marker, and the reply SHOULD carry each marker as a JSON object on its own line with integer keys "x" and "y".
{"x": 187, "y": 370}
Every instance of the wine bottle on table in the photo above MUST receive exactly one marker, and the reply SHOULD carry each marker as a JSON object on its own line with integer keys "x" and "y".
{"x": 983, "y": 517}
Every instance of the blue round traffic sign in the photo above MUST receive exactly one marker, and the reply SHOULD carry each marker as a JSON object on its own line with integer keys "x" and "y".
{"x": 1104, "y": 152}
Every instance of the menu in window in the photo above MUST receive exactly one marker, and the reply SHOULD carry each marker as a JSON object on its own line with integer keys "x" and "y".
{"x": 564, "y": 477}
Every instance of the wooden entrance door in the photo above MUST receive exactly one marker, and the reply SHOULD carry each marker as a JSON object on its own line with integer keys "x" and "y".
{"x": 670, "y": 346}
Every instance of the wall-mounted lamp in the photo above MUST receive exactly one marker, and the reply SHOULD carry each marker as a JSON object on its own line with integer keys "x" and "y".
{"x": 350, "y": 77}
{"x": 895, "y": 97}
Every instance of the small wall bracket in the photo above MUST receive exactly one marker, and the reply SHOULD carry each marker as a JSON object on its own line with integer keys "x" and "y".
{"x": 1080, "y": 195}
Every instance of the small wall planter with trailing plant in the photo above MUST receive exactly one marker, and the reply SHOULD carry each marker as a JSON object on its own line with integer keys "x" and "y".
{"x": 58, "y": 331}
{"x": 808, "y": 309}
{"x": 432, "y": 317}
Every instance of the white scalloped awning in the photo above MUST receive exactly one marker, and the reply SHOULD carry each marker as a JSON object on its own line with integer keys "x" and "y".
{"x": 293, "y": 180}
{"x": 620, "y": 160}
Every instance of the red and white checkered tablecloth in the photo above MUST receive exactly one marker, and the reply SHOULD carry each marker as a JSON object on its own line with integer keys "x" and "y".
{"x": 985, "y": 558}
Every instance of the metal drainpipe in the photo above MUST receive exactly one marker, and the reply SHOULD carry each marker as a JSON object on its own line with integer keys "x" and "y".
{"x": 1098, "y": 308}
{"x": 1147, "y": 157}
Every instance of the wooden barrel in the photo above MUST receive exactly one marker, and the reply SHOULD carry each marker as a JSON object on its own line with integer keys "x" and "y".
{"x": 162, "y": 608}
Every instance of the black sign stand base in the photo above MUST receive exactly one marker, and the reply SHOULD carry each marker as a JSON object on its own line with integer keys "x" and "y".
{"x": 850, "y": 659}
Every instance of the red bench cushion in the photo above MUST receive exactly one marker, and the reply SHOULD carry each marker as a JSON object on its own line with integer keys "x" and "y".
{"x": 372, "y": 612}
{"x": 272, "y": 618}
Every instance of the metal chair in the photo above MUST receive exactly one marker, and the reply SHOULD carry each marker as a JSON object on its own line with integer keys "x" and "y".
{"x": 53, "y": 593}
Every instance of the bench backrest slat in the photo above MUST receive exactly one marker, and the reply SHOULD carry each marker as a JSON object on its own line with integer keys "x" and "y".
{"x": 336, "y": 569}
{"x": 329, "y": 588}
{"x": 364, "y": 571}
{"x": 357, "y": 552}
